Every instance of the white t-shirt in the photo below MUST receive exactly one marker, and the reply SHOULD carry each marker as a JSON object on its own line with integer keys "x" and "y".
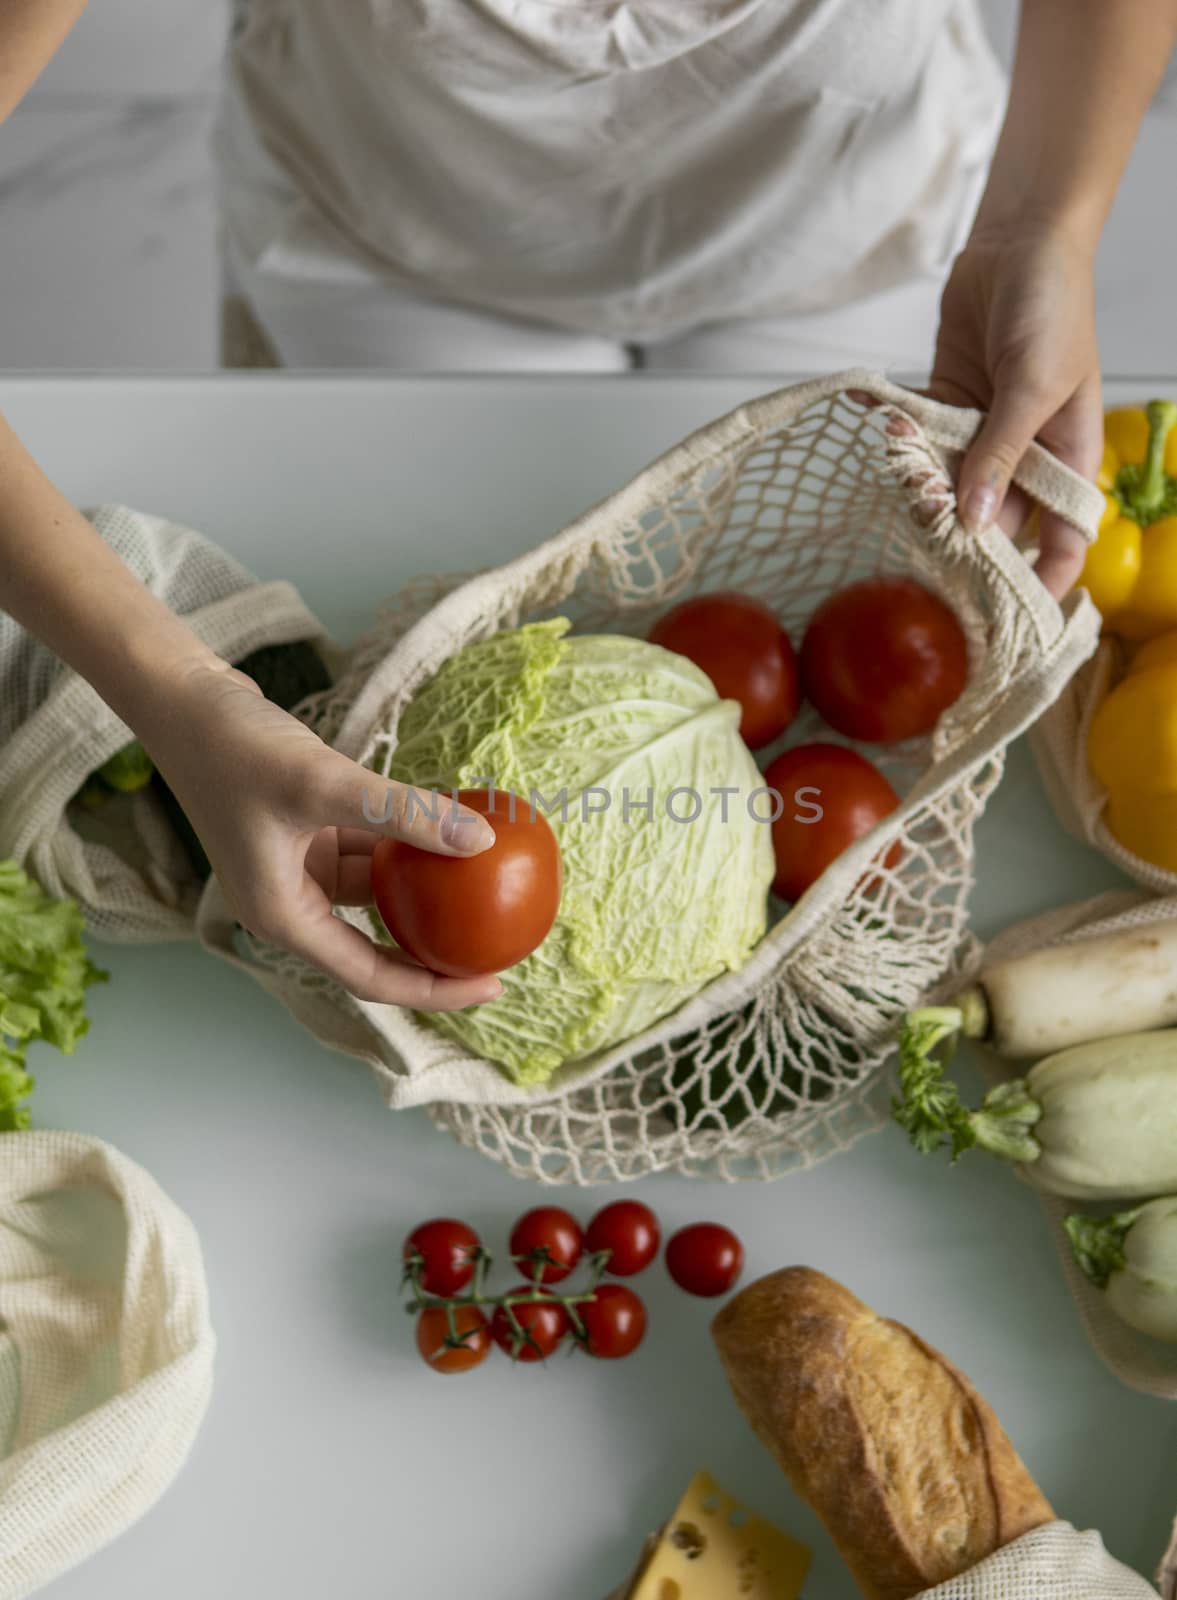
{"x": 631, "y": 170}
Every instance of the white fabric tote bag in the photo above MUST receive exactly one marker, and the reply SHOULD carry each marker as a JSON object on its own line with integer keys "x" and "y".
{"x": 106, "y": 1350}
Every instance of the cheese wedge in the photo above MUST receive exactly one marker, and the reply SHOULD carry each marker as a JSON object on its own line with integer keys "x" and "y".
{"x": 713, "y": 1548}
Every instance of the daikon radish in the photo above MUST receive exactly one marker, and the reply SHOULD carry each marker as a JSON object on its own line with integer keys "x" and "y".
{"x": 1035, "y": 1004}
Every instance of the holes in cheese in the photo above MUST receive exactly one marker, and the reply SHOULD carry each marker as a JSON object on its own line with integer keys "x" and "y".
{"x": 714, "y": 1548}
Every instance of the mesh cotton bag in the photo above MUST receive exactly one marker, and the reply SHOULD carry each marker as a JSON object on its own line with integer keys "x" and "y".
{"x": 106, "y": 1353}
{"x": 774, "y": 1066}
{"x": 1054, "y": 1562}
{"x": 1137, "y": 1360}
{"x": 126, "y": 869}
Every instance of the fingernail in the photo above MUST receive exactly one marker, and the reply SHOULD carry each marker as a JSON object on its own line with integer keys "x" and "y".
{"x": 466, "y": 831}
{"x": 979, "y": 509}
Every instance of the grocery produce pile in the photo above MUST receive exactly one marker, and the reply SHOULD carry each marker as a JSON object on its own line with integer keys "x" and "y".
{"x": 637, "y": 757}
{"x": 713, "y": 994}
{"x": 1094, "y": 1118}
{"x": 654, "y": 813}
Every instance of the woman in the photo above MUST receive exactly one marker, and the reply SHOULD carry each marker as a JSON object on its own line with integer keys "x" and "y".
{"x": 680, "y": 183}
{"x": 553, "y": 184}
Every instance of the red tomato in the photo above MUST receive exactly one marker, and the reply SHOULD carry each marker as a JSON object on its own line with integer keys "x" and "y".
{"x": 444, "y": 1354}
{"x": 830, "y": 796}
{"x": 546, "y": 1244}
{"x": 629, "y": 1232}
{"x": 705, "y": 1259}
{"x": 447, "y": 1252}
{"x": 614, "y": 1321}
{"x": 882, "y": 659}
{"x": 467, "y": 915}
{"x": 745, "y": 652}
{"x": 539, "y": 1326}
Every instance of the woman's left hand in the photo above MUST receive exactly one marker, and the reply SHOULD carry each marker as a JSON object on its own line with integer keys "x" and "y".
{"x": 1017, "y": 340}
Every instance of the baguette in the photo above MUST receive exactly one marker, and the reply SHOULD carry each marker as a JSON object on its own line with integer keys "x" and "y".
{"x": 900, "y": 1457}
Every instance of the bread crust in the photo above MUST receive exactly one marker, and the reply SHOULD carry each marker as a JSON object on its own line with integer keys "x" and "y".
{"x": 904, "y": 1462}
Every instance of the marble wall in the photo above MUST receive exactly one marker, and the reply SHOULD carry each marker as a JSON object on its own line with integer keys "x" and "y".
{"x": 107, "y": 255}
{"x": 107, "y": 216}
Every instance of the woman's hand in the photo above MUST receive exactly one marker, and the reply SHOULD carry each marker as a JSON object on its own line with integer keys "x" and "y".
{"x": 280, "y": 814}
{"x": 282, "y": 818}
{"x": 1017, "y": 321}
{"x": 1017, "y": 340}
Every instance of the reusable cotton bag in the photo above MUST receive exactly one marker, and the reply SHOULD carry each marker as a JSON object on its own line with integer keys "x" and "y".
{"x": 1054, "y": 1562}
{"x": 106, "y": 1351}
{"x": 777, "y": 1065}
{"x": 125, "y": 867}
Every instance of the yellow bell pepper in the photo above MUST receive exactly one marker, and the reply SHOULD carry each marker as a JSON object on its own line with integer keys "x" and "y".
{"x": 1131, "y": 569}
{"x": 1132, "y": 750}
{"x": 1158, "y": 652}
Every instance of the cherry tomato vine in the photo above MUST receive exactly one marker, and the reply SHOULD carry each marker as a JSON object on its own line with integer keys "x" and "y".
{"x": 446, "y": 1268}
{"x": 503, "y": 1309}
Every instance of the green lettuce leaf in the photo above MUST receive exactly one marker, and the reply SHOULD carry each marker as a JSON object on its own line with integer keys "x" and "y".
{"x": 44, "y": 972}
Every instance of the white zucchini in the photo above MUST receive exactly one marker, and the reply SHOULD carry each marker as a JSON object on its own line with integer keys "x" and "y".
{"x": 1033, "y": 1005}
{"x": 1096, "y": 1122}
{"x": 1132, "y": 1257}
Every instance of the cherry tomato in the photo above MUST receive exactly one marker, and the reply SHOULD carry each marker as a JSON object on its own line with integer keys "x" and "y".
{"x": 745, "y": 652}
{"x": 468, "y": 915}
{"x": 437, "y": 1347}
{"x": 541, "y": 1326}
{"x": 629, "y": 1231}
{"x": 614, "y": 1321}
{"x": 546, "y": 1244}
{"x": 447, "y": 1251}
{"x": 705, "y": 1259}
{"x": 882, "y": 659}
{"x": 830, "y": 796}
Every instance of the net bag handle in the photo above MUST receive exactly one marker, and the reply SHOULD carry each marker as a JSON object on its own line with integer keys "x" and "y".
{"x": 1055, "y": 486}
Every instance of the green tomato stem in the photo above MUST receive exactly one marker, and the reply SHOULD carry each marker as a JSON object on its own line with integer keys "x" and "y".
{"x": 453, "y": 1337}
{"x": 414, "y": 1267}
{"x": 482, "y": 1261}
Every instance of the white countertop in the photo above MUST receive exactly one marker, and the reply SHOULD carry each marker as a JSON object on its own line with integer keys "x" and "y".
{"x": 332, "y": 1464}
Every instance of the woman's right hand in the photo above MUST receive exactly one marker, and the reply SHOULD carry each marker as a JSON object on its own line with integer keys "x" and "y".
{"x": 282, "y": 819}
{"x": 280, "y": 814}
